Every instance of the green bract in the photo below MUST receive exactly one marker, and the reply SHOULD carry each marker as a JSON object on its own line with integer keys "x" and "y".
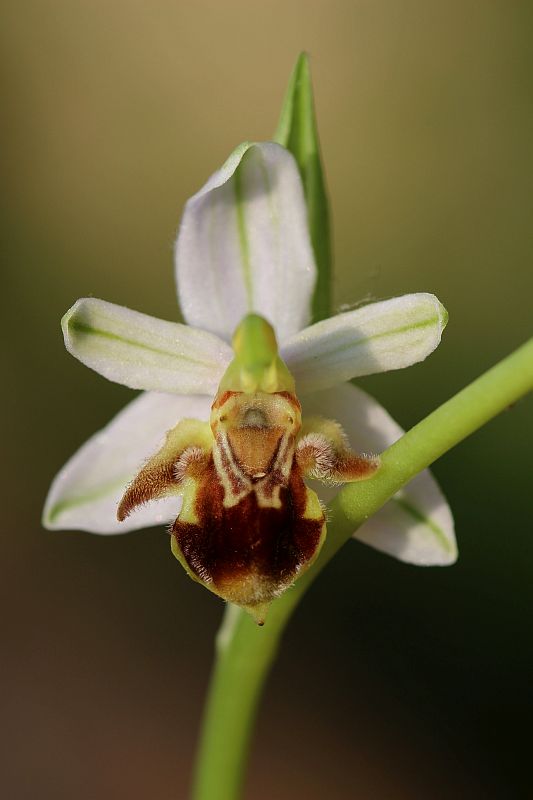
{"x": 297, "y": 131}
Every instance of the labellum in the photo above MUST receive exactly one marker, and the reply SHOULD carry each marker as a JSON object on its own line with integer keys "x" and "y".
{"x": 249, "y": 525}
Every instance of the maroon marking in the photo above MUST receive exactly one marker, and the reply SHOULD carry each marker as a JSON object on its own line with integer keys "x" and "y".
{"x": 237, "y": 484}
{"x": 273, "y": 479}
{"x": 245, "y": 545}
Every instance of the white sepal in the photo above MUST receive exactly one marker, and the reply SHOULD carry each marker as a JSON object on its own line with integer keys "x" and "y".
{"x": 416, "y": 525}
{"x": 85, "y": 493}
{"x": 375, "y": 338}
{"x": 244, "y": 245}
{"x": 143, "y": 352}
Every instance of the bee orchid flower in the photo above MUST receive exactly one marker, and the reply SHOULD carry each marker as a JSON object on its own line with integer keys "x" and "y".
{"x": 222, "y": 438}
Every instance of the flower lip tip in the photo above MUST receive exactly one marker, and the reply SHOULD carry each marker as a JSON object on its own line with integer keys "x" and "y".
{"x": 258, "y": 612}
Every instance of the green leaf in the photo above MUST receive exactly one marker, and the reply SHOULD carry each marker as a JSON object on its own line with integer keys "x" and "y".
{"x": 297, "y": 131}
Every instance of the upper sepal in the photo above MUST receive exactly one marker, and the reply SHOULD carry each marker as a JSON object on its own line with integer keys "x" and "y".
{"x": 243, "y": 245}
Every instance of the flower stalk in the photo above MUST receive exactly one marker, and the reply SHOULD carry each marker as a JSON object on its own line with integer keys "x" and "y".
{"x": 246, "y": 652}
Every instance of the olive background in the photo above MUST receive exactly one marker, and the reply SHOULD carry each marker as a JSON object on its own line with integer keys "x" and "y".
{"x": 393, "y": 681}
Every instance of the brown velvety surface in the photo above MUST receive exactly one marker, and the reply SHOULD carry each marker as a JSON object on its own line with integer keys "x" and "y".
{"x": 248, "y": 552}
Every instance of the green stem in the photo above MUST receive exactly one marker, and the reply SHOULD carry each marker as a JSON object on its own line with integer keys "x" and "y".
{"x": 245, "y": 651}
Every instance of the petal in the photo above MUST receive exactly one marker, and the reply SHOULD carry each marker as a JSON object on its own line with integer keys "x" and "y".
{"x": 143, "y": 352}
{"x": 244, "y": 245}
{"x": 376, "y": 338}
{"x": 87, "y": 490}
{"x": 416, "y": 525}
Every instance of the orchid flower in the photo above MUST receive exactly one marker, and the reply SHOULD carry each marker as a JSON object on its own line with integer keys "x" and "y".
{"x": 245, "y": 263}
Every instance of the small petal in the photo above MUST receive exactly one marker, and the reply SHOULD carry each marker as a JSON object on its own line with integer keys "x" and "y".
{"x": 375, "y": 338}
{"x": 244, "y": 245}
{"x": 143, "y": 352}
{"x": 86, "y": 492}
{"x": 416, "y": 525}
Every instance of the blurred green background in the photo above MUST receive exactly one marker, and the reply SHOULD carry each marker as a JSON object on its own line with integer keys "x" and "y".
{"x": 394, "y": 682}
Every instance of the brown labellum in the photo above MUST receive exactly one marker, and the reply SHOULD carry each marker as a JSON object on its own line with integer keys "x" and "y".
{"x": 248, "y": 552}
{"x": 248, "y": 525}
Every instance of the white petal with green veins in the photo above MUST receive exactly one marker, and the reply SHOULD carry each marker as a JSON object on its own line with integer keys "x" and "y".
{"x": 244, "y": 245}
{"x": 86, "y": 492}
{"x": 375, "y": 338}
{"x": 416, "y": 525}
{"x": 143, "y": 352}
